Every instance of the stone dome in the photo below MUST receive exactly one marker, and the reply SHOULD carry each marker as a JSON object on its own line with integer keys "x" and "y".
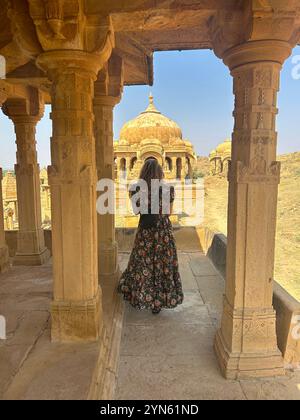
{"x": 150, "y": 125}
{"x": 224, "y": 148}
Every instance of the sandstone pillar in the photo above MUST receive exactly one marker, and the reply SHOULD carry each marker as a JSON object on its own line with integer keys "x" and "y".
{"x": 107, "y": 245}
{"x": 246, "y": 345}
{"x": 77, "y": 308}
{"x": 108, "y": 91}
{"x": 4, "y": 256}
{"x": 174, "y": 160}
{"x": 31, "y": 249}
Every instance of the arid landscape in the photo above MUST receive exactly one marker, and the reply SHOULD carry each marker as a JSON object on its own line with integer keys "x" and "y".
{"x": 287, "y": 270}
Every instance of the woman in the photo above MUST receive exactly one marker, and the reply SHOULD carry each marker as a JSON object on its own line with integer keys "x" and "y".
{"x": 152, "y": 280}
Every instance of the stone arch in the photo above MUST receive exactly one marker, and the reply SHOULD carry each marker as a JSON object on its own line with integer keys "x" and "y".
{"x": 152, "y": 155}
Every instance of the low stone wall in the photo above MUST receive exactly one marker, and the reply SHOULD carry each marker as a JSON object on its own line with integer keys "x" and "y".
{"x": 288, "y": 330}
{"x": 11, "y": 237}
{"x": 187, "y": 239}
{"x": 287, "y": 308}
{"x": 215, "y": 247}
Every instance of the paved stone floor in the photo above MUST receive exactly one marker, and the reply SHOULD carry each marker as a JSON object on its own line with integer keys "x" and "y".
{"x": 171, "y": 356}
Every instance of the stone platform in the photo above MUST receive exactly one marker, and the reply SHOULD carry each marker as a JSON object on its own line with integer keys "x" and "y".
{"x": 169, "y": 356}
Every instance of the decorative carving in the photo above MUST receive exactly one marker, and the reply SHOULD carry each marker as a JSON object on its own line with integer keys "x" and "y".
{"x": 22, "y": 28}
{"x": 55, "y": 16}
{"x": 258, "y": 171}
{"x": 62, "y": 25}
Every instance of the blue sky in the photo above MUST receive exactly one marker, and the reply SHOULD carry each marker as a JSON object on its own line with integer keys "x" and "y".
{"x": 195, "y": 89}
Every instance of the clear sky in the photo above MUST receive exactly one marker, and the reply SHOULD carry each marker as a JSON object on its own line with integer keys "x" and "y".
{"x": 195, "y": 89}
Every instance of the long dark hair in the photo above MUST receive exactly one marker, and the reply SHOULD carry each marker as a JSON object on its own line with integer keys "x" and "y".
{"x": 151, "y": 170}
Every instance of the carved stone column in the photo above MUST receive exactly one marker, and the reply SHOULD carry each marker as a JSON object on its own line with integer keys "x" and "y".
{"x": 107, "y": 245}
{"x": 174, "y": 168}
{"x": 4, "y": 256}
{"x": 25, "y": 114}
{"x": 108, "y": 91}
{"x": 77, "y": 308}
{"x": 246, "y": 345}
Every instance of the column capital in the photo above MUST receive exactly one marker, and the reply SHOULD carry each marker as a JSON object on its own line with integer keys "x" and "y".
{"x": 25, "y": 110}
{"x": 255, "y": 52}
{"x": 256, "y": 20}
{"x": 56, "y": 63}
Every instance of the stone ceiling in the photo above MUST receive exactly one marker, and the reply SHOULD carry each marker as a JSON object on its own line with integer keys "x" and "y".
{"x": 140, "y": 27}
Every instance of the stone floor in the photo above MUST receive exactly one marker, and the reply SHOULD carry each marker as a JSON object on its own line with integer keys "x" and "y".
{"x": 171, "y": 356}
{"x": 30, "y": 365}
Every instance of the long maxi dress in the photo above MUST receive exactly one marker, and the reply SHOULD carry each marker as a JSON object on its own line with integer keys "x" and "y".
{"x": 152, "y": 279}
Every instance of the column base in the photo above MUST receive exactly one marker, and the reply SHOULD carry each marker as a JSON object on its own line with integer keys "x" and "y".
{"x": 108, "y": 260}
{"x": 32, "y": 259}
{"x": 4, "y": 259}
{"x": 235, "y": 366}
{"x": 77, "y": 321}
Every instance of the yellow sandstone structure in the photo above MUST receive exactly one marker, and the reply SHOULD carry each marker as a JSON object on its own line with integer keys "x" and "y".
{"x": 10, "y": 200}
{"x": 219, "y": 159}
{"x": 77, "y": 55}
{"x": 152, "y": 135}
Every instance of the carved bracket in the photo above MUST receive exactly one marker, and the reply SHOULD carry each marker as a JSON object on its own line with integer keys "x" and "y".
{"x": 23, "y": 28}
{"x": 110, "y": 80}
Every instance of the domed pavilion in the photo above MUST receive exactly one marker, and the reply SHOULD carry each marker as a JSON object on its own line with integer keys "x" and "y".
{"x": 219, "y": 158}
{"x": 153, "y": 135}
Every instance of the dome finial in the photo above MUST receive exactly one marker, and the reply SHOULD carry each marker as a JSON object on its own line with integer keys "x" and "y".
{"x": 151, "y": 99}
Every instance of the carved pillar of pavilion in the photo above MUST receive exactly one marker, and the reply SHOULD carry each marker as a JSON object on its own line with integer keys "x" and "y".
{"x": 77, "y": 307}
{"x": 246, "y": 344}
{"x": 25, "y": 114}
{"x": 108, "y": 90}
{"x": 4, "y": 255}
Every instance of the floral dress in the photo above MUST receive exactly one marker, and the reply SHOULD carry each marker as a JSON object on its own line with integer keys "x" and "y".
{"x": 152, "y": 279}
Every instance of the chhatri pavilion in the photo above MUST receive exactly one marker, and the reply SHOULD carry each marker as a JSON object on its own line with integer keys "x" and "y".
{"x": 220, "y": 157}
{"x": 153, "y": 135}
